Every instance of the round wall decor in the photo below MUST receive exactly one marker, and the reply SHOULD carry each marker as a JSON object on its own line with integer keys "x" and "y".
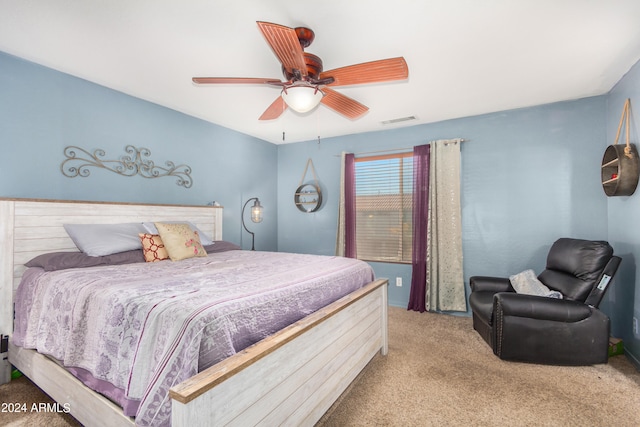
{"x": 308, "y": 198}
{"x": 619, "y": 171}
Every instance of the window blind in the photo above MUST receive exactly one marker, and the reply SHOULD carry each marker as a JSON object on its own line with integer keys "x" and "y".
{"x": 384, "y": 197}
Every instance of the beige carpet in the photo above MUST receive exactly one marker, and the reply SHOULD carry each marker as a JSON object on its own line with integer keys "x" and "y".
{"x": 439, "y": 372}
{"x": 24, "y": 405}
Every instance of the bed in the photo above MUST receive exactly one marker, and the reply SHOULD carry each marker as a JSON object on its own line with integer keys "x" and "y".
{"x": 288, "y": 376}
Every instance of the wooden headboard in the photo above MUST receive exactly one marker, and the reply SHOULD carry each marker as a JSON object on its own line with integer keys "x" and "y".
{"x": 31, "y": 227}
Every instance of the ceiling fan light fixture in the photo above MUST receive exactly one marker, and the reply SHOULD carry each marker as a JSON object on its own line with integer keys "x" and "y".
{"x": 302, "y": 98}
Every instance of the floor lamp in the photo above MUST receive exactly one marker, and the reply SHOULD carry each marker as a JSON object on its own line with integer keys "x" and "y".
{"x": 256, "y": 216}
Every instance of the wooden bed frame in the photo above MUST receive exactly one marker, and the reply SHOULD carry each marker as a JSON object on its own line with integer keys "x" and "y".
{"x": 291, "y": 377}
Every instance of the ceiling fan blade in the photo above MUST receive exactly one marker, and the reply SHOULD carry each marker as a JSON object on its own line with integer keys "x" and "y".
{"x": 342, "y": 104}
{"x": 274, "y": 110}
{"x": 234, "y": 80}
{"x": 383, "y": 70}
{"x": 286, "y": 46}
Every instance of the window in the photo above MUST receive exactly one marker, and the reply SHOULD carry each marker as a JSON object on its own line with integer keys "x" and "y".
{"x": 384, "y": 196}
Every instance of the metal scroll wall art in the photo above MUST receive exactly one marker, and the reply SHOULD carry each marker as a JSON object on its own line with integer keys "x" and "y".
{"x": 80, "y": 160}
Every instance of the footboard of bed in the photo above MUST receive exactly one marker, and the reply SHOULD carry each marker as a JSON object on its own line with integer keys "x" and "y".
{"x": 87, "y": 406}
{"x": 294, "y": 376}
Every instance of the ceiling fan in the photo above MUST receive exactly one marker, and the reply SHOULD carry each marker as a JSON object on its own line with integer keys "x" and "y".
{"x": 306, "y": 84}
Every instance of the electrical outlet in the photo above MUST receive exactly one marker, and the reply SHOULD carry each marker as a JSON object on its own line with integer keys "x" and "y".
{"x": 399, "y": 281}
{"x": 635, "y": 326}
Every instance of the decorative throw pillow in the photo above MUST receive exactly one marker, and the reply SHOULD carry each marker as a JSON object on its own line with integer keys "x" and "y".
{"x": 180, "y": 241}
{"x": 204, "y": 239}
{"x": 153, "y": 247}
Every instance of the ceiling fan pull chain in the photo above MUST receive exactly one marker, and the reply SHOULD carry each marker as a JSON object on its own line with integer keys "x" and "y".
{"x": 318, "y": 124}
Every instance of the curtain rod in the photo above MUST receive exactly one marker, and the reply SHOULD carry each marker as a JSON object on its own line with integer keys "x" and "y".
{"x": 449, "y": 141}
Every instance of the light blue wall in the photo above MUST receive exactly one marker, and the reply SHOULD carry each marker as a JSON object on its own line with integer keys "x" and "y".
{"x": 622, "y": 301}
{"x": 529, "y": 176}
{"x": 43, "y": 111}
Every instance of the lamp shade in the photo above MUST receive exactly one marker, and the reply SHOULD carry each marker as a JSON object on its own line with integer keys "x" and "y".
{"x": 302, "y": 98}
{"x": 256, "y": 211}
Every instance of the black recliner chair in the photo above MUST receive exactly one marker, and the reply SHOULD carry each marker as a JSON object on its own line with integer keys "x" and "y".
{"x": 538, "y": 329}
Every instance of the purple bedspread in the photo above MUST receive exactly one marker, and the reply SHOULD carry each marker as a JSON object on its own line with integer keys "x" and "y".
{"x": 133, "y": 331}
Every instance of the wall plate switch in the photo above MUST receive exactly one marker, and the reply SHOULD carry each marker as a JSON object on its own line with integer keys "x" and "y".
{"x": 399, "y": 281}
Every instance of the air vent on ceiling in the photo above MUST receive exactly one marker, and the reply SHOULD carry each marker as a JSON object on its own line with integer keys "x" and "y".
{"x": 401, "y": 119}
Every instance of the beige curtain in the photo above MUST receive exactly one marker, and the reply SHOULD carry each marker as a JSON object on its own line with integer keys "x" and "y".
{"x": 445, "y": 282}
{"x": 340, "y": 235}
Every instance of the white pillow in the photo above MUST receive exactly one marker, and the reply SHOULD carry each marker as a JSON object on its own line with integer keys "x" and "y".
{"x": 105, "y": 239}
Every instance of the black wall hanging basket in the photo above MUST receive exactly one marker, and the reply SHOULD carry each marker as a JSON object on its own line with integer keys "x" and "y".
{"x": 620, "y": 163}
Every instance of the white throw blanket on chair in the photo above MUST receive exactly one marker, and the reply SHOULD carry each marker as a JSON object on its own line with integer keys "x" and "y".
{"x": 527, "y": 283}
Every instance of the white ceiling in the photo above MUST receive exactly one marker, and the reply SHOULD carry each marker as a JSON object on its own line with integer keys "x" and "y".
{"x": 465, "y": 57}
